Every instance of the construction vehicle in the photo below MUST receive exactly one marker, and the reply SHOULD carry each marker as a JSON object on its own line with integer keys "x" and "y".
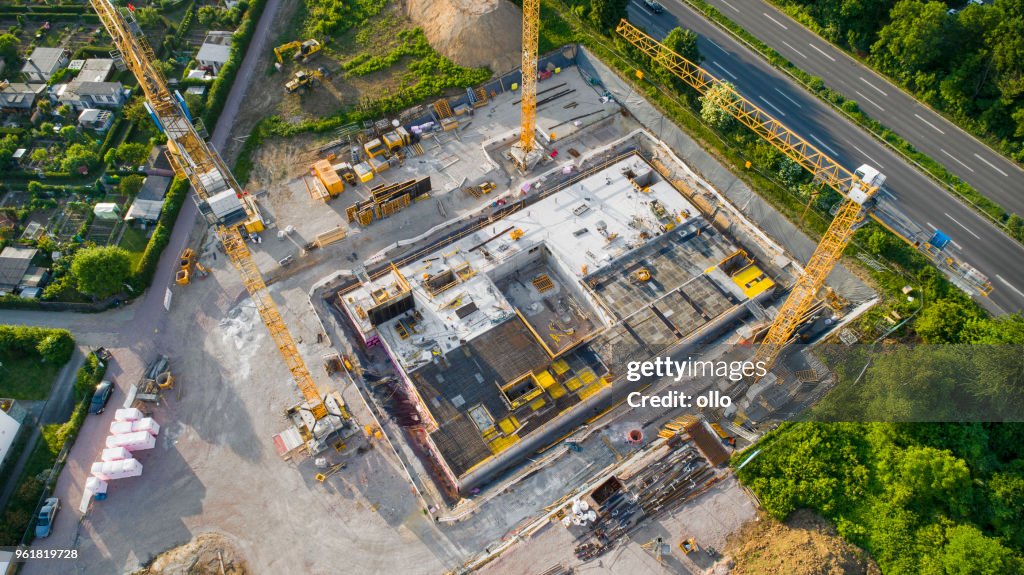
{"x": 641, "y": 275}
{"x": 305, "y": 51}
{"x": 481, "y": 190}
{"x": 224, "y": 202}
{"x": 688, "y": 546}
{"x": 860, "y": 191}
{"x": 303, "y": 79}
{"x": 525, "y": 153}
{"x": 186, "y": 263}
{"x": 516, "y": 234}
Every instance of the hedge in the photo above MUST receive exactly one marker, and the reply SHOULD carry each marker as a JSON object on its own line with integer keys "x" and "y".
{"x": 146, "y": 267}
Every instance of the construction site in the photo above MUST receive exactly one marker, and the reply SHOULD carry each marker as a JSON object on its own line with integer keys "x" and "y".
{"x": 453, "y": 295}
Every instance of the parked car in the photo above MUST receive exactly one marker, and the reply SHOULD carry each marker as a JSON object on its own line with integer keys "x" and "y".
{"x": 654, "y": 6}
{"x": 101, "y": 396}
{"x": 44, "y": 523}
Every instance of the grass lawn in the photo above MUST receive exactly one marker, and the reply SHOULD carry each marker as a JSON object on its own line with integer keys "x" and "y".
{"x": 134, "y": 240}
{"x": 26, "y": 378}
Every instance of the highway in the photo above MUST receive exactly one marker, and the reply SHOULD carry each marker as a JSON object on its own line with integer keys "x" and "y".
{"x": 996, "y": 177}
{"x": 980, "y": 242}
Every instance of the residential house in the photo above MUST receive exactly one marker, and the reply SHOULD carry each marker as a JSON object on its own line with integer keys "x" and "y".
{"x": 150, "y": 200}
{"x": 94, "y": 119}
{"x": 215, "y": 51}
{"x": 83, "y": 94}
{"x": 15, "y": 262}
{"x": 20, "y": 97}
{"x": 44, "y": 63}
{"x": 12, "y": 416}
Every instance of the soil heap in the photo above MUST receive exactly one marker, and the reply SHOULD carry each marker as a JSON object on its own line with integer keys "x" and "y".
{"x": 806, "y": 544}
{"x": 472, "y": 33}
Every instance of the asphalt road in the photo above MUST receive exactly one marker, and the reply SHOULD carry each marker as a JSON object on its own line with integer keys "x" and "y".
{"x": 996, "y": 177}
{"x": 981, "y": 243}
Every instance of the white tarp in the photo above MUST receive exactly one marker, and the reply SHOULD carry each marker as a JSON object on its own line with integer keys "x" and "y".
{"x": 95, "y": 485}
{"x": 145, "y": 424}
{"x": 127, "y": 414}
{"x": 107, "y": 470}
{"x": 136, "y": 441}
{"x": 115, "y": 453}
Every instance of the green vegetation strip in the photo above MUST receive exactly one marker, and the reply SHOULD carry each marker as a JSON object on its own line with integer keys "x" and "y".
{"x": 996, "y": 213}
{"x": 240, "y": 40}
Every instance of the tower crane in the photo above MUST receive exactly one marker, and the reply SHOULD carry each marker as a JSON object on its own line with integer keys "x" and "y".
{"x": 191, "y": 157}
{"x": 524, "y": 152}
{"x": 862, "y": 192}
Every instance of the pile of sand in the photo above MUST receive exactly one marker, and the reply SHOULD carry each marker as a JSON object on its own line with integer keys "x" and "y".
{"x": 207, "y": 554}
{"x": 472, "y": 33}
{"x": 805, "y": 545}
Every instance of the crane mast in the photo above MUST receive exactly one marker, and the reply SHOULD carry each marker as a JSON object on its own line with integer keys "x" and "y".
{"x": 525, "y": 153}
{"x": 193, "y": 158}
{"x": 860, "y": 191}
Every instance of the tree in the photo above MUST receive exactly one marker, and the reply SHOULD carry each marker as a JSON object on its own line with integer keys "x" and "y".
{"x": 917, "y": 39}
{"x": 684, "y": 43}
{"x": 78, "y": 156}
{"x": 56, "y": 347}
{"x": 9, "y": 45}
{"x": 100, "y": 271}
{"x": 40, "y": 156}
{"x": 791, "y": 173}
{"x": 607, "y": 13}
{"x": 712, "y": 108}
{"x": 130, "y": 185}
{"x": 945, "y": 320}
{"x": 1007, "y": 500}
{"x": 926, "y": 478}
{"x": 969, "y": 552}
{"x": 132, "y": 154}
{"x": 8, "y": 145}
{"x": 69, "y": 133}
{"x": 148, "y": 17}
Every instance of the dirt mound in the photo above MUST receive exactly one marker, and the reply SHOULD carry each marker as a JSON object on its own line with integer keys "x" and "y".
{"x": 207, "y": 554}
{"x": 805, "y": 545}
{"x": 472, "y": 32}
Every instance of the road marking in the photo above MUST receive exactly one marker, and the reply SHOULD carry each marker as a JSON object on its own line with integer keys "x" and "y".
{"x": 794, "y": 49}
{"x": 1009, "y": 285}
{"x": 1005, "y": 175}
{"x": 716, "y": 45}
{"x": 869, "y": 101}
{"x": 963, "y": 226}
{"x": 934, "y": 127}
{"x": 876, "y": 88}
{"x": 783, "y": 94}
{"x": 774, "y": 20}
{"x": 820, "y": 52}
{"x": 876, "y": 163}
{"x": 722, "y": 68}
{"x": 731, "y": 6}
{"x": 774, "y": 107}
{"x": 817, "y": 139}
{"x": 957, "y": 160}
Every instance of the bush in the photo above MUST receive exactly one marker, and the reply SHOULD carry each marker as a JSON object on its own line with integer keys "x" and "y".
{"x": 56, "y": 347}
{"x": 142, "y": 275}
{"x": 100, "y": 271}
{"x": 25, "y": 340}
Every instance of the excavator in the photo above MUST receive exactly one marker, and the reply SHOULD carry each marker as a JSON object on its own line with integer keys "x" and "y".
{"x": 306, "y": 50}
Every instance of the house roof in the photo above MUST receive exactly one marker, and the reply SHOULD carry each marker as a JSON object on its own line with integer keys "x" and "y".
{"x": 96, "y": 70}
{"x": 44, "y": 60}
{"x": 14, "y": 263}
{"x": 20, "y": 95}
{"x": 98, "y": 88}
{"x": 93, "y": 115}
{"x": 154, "y": 188}
{"x": 145, "y": 210}
{"x": 214, "y": 53}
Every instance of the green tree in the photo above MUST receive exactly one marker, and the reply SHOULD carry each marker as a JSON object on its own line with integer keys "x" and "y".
{"x": 148, "y": 17}
{"x": 130, "y": 185}
{"x": 1006, "y": 496}
{"x": 607, "y": 13}
{"x": 926, "y": 478}
{"x": 9, "y": 45}
{"x": 791, "y": 173}
{"x": 78, "y": 156}
{"x": 69, "y": 133}
{"x": 100, "y": 271}
{"x": 969, "y": 552}
{"x": 684, "y": 43}
{"x": 712, "y": 107}
{"x": 8, "y": 145}
{"x": 56, "y": 347}
{"x": 132, "y": 154}
{"x": 945, "y": 321}
{"x": 40, "y": 156}
{"x": 918, "y": 38}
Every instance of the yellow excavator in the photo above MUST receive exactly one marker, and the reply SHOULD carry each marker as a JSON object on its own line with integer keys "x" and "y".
{"x": 303, "y": 79}
{"x": 306, "y": 50}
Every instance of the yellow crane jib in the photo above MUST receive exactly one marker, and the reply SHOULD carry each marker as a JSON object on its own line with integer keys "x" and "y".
{"x": 192, "y": 158}
{"x": 859, "y": 188}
